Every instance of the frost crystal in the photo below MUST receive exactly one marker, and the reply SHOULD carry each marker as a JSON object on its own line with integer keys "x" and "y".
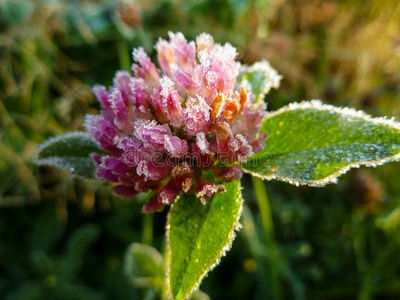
{"x": 163, "y": 129}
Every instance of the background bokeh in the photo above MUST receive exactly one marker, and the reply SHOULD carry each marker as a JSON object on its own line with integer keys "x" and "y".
{"x": 64, "y": 238}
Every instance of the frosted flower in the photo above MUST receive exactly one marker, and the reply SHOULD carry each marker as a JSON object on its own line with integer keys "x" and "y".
{"x": 168, "y": 129}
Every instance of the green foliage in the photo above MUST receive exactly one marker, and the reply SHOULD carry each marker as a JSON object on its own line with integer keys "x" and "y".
{"x": 311, "y": 143}
{"x": 261, "y": 77}
{"x": 82, "y": 238}
{"x": 144, "y": 266}
{"x": 198, "y": 235}
{"x": 70, "y": 152}
{"x": 338, "y": 242}
{"x": 15, "y": 11}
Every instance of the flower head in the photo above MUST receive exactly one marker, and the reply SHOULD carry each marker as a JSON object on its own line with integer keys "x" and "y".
{"x": 168, "y": 129}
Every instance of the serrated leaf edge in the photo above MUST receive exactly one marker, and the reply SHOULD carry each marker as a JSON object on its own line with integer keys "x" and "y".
{"x": 273, "y": 78}
{"x": 237, "y": 226}
{"x": 346, "y": 111}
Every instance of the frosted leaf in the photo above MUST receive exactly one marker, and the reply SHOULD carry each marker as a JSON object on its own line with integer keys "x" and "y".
{"x": 70, "y": 152}
{"x": 312, "y": 143}
{"x": 198, "y": 236}
{"x": 261, "y": 77}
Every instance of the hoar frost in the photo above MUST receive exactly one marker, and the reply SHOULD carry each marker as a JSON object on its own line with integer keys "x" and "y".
{"x": 167, "y": 129}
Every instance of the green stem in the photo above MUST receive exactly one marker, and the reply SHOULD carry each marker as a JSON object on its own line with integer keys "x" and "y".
{"x": 368, "y": 286}
{"x": 123, "y": 55}
{"x": 268, "y": 226}
{"x": 147, "y": 231}
{"x": 265, "y": 210}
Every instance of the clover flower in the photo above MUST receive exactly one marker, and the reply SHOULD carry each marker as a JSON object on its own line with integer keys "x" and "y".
{"x": 183, "y": 128}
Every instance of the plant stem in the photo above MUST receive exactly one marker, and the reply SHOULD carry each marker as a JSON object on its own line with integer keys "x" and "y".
{"x": 123, "y": 54}
{"x": 368, "y": 286}
{"x": 268, "y": 227}
{"x": 265, "y": 210}
{"x": 147, "y": 231}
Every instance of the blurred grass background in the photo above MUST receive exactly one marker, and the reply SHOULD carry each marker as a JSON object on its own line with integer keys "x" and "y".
{"x": 64, "y": 238}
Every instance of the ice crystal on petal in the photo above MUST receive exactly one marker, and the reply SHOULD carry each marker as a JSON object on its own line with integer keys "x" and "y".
{"x": 196, "y": 115}
{"x": 141, "y": 99}
{"x": 168, "y": 194}
{"x": 152, "y": 171}
{"x": 204, "y": 42}
{"x": 174, "y": 146}
{"x": 145, "y": 69}
{"x": 165, "y": 129}
{"x": 151, "y": 134}
{"x": 171, "y": 104}
{"x": 202, "y": 143}
{"x": 102, "y": 95}
{"x": 103, "y": 132}
{"x": 207, "y": 190}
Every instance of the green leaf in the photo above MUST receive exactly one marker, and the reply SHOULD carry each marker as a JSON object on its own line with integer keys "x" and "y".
{"x": 144, "y": 266}
{"x": 82, "y": 238}
{"x": 311, "y": 143}
{"x": 261, "y": 77}
{"x": 199, "y": 295}
{"x": 16, "y": 12}
{"x": 70, "y": 152}
{"x": 198, "y": 235}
